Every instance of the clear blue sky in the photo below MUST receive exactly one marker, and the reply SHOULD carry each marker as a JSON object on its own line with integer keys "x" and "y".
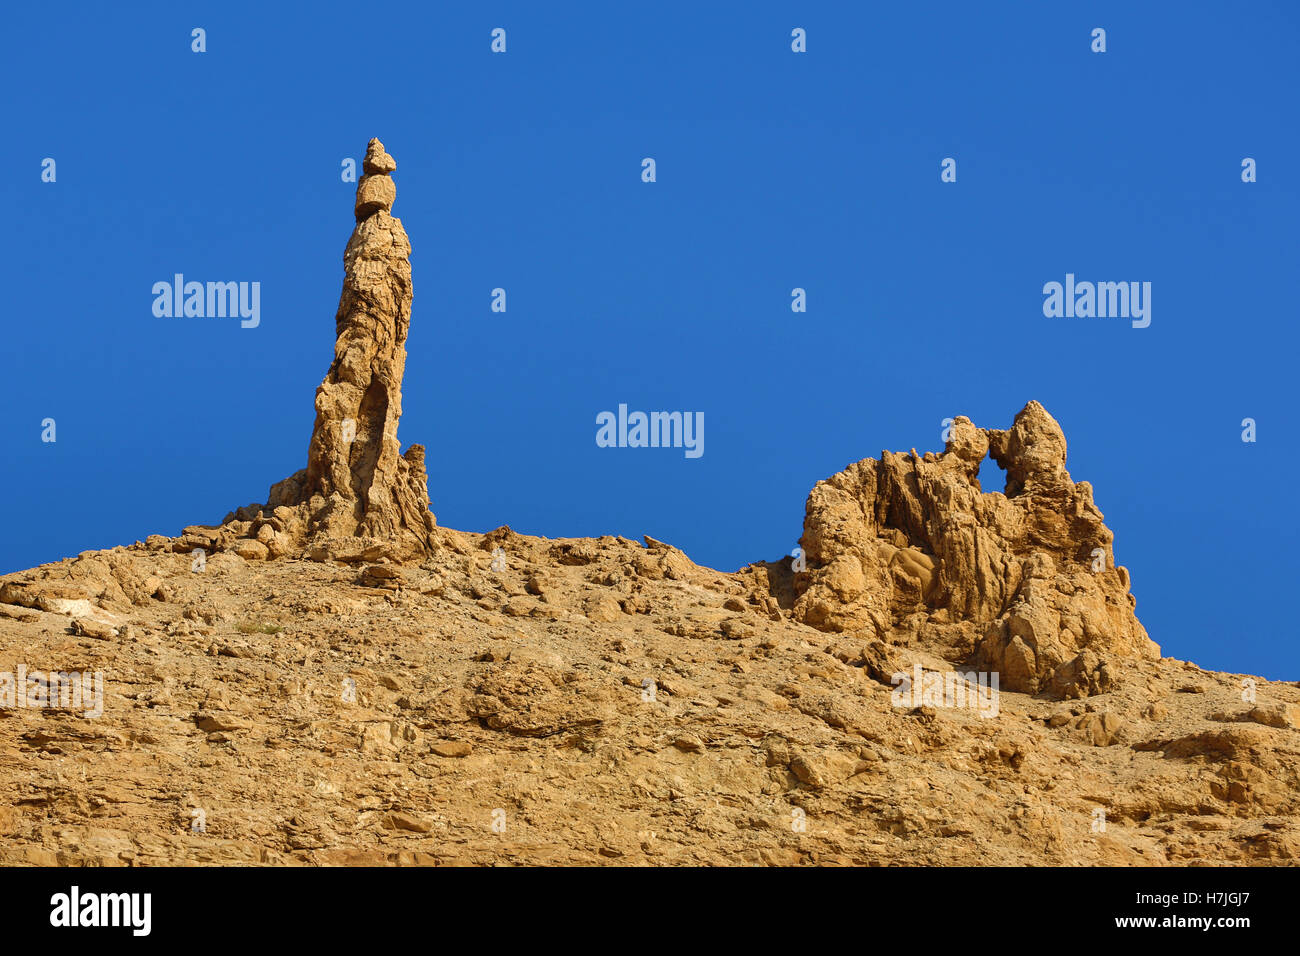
{"x": 775, "y": 170}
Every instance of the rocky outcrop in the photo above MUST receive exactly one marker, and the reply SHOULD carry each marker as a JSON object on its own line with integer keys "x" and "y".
{"x": 618, "y": 704}
{"x": 358, "y": 494}
{"x": 505, "y": 699}
{"x": 1024, "y": 582}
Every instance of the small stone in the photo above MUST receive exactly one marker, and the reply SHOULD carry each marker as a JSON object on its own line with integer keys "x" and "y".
{"x": 452, "y": 748}
{"x": 396, "y": 820}
{"x": 736, "y": 629}
{"x": 377, "y": 159}
{"x": 92, "y": 628}
{"x": 250, "y": 550}
{"x": 1276, "y": 715}
{"x": 1156, "y": 711}
{"x": 373, "y": 194}
{"x": 217, "y": 723}
{"x": 602, "y": 608}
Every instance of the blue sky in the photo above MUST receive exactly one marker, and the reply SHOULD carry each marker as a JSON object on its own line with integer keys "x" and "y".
{"x": 775, "y": 170}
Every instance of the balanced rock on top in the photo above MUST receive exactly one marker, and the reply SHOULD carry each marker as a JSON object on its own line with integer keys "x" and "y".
{"x": 376, "y": 191}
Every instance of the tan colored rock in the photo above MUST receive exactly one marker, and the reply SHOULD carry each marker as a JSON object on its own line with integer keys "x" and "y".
{"x": 583, "y": 694}
{"x": 452, "y": 748}
{"x": 358, "y": 486}
{"x": 602, "y": 608}
{"x": 218, "y": 722}
{"x": 377, "y": 159}
{"x": 1276, "y": 715}
{"x": 374, "y": 193}
{"x": 821, "y": 770}
{"x": 376, "y": 190}
{"x": 92, "y": 628}
{"x": 351, "y": 724}
{"x": 250, "y": 549}
{"x": 1100, "y": 730}
{"x": 910, "y": 546}
{"x": 397, "y": 820}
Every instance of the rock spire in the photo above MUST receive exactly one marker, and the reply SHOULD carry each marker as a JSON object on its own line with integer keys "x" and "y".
{"x": 359, "y": 495}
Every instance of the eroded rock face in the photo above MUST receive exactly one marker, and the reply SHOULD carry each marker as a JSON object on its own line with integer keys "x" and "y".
{"x": 358, "y": 493}
{"x": 378, "y": 715}
{"x": 910, "y": 546}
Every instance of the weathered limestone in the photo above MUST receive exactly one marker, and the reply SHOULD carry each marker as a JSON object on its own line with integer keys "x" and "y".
{"x": 358, "y": 493}
{"x": 376, "y": 191}
{"x": 909, "y": 547}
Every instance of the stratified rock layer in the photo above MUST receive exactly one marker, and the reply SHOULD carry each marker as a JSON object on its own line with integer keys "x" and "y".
{"x": 910, "y": 548}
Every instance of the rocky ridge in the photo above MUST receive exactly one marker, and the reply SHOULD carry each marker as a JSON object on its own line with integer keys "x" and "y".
{"x": 331, "y": 678}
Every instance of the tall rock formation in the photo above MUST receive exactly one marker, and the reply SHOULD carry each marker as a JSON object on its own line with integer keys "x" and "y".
{"x": 909, "y": 548}
{"x": 357, "y": 488}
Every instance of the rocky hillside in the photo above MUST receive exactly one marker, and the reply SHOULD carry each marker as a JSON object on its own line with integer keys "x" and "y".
{"x": 941, "y": 675}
